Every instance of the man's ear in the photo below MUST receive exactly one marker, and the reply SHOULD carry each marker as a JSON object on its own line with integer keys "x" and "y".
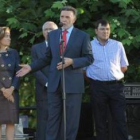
{"x": 96, "y": 31}
{"x": 75, "y": 19}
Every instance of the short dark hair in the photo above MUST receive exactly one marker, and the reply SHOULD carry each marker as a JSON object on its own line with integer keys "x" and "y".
{"x": 69, "y": 8}
{"x": 103, "y": 22}
{"x": 3, "y": 31}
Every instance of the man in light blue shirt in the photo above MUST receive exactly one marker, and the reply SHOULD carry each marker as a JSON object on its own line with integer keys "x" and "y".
{"x": 106, "y": 82}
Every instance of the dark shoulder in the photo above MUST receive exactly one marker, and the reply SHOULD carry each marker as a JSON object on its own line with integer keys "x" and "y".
{"x": 54, "y": 34}
{"x": 38, "y": 45}
{"x": 81, "y": 31}
{"x": 11, "y": 50}
{"x": 54, "y": 31}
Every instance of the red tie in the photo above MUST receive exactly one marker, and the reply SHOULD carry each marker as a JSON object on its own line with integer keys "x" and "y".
{"x": 64, "y": 36}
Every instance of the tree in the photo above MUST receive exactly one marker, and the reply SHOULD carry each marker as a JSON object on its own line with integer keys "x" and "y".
{"x": 25, "y": 18}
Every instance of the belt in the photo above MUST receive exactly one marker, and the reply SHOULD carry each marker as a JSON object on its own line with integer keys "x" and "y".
{"x": 110, "y": 82}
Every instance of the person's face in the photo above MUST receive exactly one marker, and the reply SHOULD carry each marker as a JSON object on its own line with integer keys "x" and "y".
{"x": 6, "y": 40}
{"x": 47, "y": 28}
{"x": 67, "y": 18}
{"x": 103, "y": 32}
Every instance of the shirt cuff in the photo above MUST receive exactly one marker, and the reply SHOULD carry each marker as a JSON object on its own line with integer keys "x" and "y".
{"x": 46, "y": 85}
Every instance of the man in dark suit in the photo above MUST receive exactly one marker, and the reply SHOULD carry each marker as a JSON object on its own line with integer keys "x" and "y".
{"x": 77, "y": 55}
{"x": 41, "y": 76}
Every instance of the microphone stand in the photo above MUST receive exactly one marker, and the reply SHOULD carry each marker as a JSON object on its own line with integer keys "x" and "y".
{"x": 63, "y": 85}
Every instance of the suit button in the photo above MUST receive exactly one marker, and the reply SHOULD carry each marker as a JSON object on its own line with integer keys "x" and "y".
{"x": 2, "y": 65}
{"x": 6, "y": 54}
{"x": 9, "y": 65}
{"x": 3, "y": 78}
{"x": 10, "y": 78}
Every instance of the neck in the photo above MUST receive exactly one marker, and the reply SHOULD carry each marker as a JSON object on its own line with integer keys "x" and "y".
{"x": 66, "y": 28}
{"x": 3, "y": 48}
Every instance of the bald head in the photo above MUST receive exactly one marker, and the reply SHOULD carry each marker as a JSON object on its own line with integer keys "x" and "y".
{"x": 47, "y": 27}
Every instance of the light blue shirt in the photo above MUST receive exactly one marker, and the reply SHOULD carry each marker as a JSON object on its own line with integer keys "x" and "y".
{"x": 108, "y": 61}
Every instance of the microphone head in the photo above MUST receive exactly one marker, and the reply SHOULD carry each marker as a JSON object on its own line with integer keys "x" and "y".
{"x": 61, "y": 24}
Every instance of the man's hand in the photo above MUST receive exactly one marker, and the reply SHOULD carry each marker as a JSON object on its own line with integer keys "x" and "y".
{"x": 24, "y": 70}
{"x": 123, "y": 69}
{"x": 67, "y": 62}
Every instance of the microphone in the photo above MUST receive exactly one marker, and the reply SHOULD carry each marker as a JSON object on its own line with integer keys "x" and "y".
{"x": 61, "y": 40}
{"x": 61, "y": 24}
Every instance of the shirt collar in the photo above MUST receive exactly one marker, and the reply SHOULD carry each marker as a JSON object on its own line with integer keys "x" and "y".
{"x": 69, "y": 29}
{"x": 99, "y": 42}
{"x": 46, "y": 43}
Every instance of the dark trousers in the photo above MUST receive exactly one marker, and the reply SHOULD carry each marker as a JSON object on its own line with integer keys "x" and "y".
{"x": 41, "y": 119}
{"x": 110, "y": 95}
{"x": 55, "y": 115}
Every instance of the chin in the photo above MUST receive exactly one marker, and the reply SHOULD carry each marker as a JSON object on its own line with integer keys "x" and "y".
{"x": 66, "y": 27}
{"x": 106, "y": 38}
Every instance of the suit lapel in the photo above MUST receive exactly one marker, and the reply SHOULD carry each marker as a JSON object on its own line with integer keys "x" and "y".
{"x": 58, "y": 41}
{"x": 71, "y": 40}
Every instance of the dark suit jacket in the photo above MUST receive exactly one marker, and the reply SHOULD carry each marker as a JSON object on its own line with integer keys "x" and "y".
{"x": 39, "y": 51}
{"x": 78, "y": 48}
{"x": 9, "y": 65}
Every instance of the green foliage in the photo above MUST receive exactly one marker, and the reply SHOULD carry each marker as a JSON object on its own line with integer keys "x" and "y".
{"x": 25, "y": 18}
{"x": 59, "y": 4}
